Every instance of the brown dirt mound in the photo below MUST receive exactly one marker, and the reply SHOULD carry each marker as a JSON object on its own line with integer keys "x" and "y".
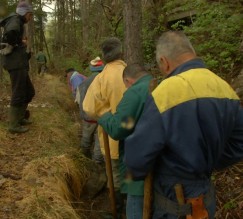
{"x": 56, "y": 183}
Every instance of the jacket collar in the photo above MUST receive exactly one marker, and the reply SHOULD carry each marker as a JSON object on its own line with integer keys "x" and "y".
{"x": 143, "y": 78}
{"x": 118, "y": 61}
{"x": 192, "y": 64}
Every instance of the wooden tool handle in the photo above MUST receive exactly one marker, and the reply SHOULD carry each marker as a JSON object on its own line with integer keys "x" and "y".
{"x": 179, "y": 194}
{"x": 109, "y": 173}
{"x": 147, "y": 203}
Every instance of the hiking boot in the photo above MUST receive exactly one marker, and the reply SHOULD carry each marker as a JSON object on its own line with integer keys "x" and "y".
{"x": 24, "y": 115}
{"x": 25, "y": 122}
{"x": 14, "y": 118}
{"x": 27, "y": 114}
{"x": 18, "y": 129}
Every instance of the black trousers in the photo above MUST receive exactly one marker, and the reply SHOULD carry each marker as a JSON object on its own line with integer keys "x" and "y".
{"x": 22, "y": 88}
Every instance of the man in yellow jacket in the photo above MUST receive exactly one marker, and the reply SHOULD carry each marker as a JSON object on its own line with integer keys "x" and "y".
{"x": 102, "y": 96}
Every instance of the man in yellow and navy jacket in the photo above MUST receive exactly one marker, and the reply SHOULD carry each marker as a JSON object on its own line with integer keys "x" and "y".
{"x": 192, "y": 124}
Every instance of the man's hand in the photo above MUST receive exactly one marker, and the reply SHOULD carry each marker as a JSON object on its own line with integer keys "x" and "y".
{"x": 102, "y": 112}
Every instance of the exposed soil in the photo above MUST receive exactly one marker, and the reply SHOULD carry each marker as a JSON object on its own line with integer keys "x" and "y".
{"x": 45, "y": 140}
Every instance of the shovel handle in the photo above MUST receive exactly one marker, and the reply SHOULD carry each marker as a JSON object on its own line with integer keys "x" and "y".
{"x": 147, "y": 203}
{"x": 180, "y": 196}
{"x": 109, "y": 173}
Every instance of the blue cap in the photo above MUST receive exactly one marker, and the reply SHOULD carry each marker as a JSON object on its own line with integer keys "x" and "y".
{"x": 96, "y": 68}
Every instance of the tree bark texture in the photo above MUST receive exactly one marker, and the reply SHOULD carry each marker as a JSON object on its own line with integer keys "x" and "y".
{"x": 132, "y": 14}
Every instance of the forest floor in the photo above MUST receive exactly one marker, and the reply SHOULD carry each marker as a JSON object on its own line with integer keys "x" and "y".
{"x": 36, "y": 168}
{"x": 43, "y": 174}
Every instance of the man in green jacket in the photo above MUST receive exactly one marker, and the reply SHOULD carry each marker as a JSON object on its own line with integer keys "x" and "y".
{"x": 121, "y": 124}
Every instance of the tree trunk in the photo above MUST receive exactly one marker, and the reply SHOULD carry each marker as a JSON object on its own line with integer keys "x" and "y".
{"x": 85, "y": 22}
{"x": 132, "y": 14}
{"x": 1, "y": 64}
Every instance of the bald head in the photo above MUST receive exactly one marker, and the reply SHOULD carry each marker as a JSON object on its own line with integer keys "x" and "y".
{"x": 175, "y": 47}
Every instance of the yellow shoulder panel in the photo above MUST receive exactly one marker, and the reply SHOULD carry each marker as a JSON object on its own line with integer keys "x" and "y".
{"x": 189, "y": 85}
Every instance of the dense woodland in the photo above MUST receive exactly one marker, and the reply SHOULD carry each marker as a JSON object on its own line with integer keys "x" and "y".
{"x": 70, "y": 31}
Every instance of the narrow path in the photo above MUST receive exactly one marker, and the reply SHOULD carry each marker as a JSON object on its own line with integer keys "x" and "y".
{"x": 54, "y": 133}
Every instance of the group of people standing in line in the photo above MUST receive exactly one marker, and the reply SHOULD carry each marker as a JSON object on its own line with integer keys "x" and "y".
{"x": 190, "y": 125}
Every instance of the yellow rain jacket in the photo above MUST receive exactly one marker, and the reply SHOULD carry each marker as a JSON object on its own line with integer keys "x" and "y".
{"x": 103, "y": 95}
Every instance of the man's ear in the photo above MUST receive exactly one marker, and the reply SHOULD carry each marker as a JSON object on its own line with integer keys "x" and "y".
{"x": 165, "y": 64}
{"x": 132, "y": 80}
{"x": 128, "y": 81}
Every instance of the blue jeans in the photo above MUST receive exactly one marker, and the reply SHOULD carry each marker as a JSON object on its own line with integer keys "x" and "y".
{"x": 134, "y": 207}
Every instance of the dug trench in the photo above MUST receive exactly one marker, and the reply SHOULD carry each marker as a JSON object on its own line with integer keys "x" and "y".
{"x": 43, "y": 174}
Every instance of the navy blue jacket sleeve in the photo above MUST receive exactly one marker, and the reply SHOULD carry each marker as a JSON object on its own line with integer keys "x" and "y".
{"x": 234, "y": 148}
{"x": 147, "y": 141}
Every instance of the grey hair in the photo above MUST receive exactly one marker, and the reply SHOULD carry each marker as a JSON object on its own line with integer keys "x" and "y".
{"x": 172, "y": 44}
{"x": 112, "y": 49}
